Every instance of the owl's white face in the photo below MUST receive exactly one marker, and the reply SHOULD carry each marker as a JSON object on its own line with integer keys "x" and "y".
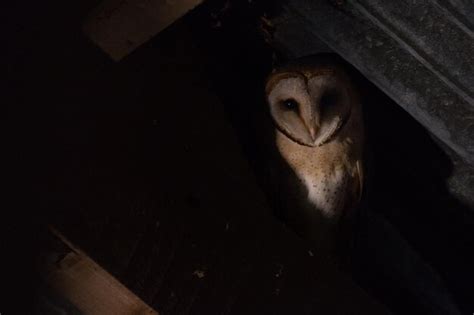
{"x": 309, "y": 108}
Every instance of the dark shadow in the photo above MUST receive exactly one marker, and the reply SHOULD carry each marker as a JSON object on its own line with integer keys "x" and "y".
{"x": 408, "y": 171}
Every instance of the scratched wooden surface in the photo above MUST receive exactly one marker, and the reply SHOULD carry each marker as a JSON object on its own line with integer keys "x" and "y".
{"x": 85, "y": 285}
{"x": 119, "y": 27}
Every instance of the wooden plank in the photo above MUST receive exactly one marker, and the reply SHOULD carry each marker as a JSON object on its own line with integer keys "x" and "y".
{"x": 120, "y": 26}
{"x": 84, "y": 283}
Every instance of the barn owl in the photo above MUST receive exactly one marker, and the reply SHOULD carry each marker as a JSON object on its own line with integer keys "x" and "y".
{"x": 319, "y": 134}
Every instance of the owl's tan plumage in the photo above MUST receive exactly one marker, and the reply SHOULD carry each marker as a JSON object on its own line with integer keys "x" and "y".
{"x": 319, "y": 134}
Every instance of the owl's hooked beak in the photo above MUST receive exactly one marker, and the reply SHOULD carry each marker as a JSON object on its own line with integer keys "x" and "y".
{"x": 312, "y": 125}
{"x": 312, "y": 132}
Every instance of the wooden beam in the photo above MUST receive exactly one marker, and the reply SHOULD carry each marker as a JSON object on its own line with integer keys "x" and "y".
{"x": 120, "y": 26}
{"x": 81, "y": 281}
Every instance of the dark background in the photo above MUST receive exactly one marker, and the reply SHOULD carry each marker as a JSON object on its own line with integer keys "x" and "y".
{"x": 140, "y": 163}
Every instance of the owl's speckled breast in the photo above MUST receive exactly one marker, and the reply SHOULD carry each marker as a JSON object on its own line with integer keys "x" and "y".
{"x": 327, "y": 191}
{"x": 324, "y": 171}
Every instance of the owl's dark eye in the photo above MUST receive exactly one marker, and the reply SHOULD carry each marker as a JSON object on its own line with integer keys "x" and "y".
{"x": 290, "y": 104}
{"x": 329, "y": 98}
